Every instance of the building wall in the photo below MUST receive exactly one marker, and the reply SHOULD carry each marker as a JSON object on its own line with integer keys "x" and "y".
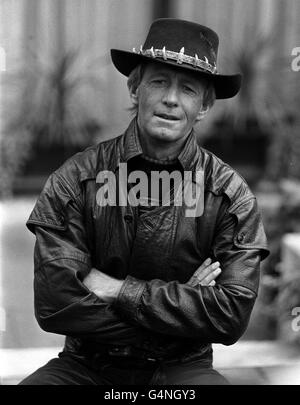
{"x": 43, "y": 29}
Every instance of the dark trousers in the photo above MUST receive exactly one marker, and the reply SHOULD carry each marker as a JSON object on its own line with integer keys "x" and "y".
{"x": 68, "y": 369}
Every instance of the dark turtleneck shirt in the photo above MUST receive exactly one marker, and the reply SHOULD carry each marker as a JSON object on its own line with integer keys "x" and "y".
{"x": 147, "y": 165}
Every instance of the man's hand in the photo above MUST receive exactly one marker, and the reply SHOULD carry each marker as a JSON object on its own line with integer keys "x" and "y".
{"x": 206, "y": 274}
{"x": 105, "y": 287}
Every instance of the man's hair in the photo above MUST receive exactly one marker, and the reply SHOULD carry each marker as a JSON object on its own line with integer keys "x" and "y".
{"x": 135, "y": 78}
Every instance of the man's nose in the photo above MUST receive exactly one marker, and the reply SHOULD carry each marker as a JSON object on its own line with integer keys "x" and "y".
{"x": 170, "y": 96}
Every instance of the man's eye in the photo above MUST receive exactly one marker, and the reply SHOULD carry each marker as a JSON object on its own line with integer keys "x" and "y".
{"x": 189, "y": 89}
{"x": 158, "y": 81}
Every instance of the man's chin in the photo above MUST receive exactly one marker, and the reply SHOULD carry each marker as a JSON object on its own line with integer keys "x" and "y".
{"x": 166, "y": 134}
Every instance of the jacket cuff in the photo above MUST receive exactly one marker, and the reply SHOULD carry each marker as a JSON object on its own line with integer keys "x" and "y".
{"x": 129, "y": 296}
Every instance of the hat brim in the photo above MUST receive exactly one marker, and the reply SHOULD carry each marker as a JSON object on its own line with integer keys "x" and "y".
{"x": 226, "y": 86}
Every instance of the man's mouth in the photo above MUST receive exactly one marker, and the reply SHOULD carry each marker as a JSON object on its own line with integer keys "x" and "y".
{"x": 169, "y": 117}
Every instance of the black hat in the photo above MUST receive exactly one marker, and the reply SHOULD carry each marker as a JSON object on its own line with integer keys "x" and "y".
{"x": 184, "y": 44}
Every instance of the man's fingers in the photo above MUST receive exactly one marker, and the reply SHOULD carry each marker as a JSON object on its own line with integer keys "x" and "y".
{"x": 204, "y": 265}
{"x": 205, "y": 273}
{"x": 209, "y": 280}
{"x": 201, "y": 273}
{"x": 211, "y": 277}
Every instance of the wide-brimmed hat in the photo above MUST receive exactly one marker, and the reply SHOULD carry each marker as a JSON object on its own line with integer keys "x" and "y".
{"x": 184, "y": 44}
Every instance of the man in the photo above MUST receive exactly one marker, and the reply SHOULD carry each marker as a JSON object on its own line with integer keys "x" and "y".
{"x": 140, "y": 277}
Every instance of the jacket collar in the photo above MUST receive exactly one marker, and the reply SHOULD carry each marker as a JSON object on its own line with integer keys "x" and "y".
{"x": 131, "y": 146}
{"x": 188, "y": 156}
{"x": 190, "y": 153}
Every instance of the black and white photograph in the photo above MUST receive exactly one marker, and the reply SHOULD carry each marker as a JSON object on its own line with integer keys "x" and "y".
{"x": 150, "y": 195}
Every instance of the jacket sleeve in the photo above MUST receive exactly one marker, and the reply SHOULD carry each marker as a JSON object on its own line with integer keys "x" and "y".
{"x": 217, "y": 314}
{"x": 62, "y": 259}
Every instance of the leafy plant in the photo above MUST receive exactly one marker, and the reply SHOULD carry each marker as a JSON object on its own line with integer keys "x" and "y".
{"x": 56, "y": 105}
{"x": 267, "y": 103}
{"x": 268, "y": 99}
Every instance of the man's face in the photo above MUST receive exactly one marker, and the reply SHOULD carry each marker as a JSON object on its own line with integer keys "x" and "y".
{"x": 169, "y": 102}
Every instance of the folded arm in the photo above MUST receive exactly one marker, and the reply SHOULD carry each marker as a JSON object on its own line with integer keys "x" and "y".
{"x": 63, "y": 304}
{"x": 214, "y": 314}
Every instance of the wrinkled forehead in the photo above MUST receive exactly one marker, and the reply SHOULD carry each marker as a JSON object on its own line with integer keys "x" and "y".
{"x": 151, "y": 68}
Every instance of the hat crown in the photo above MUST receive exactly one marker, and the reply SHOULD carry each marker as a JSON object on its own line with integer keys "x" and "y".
{"x": 174, "y": 34}
{"x": 184, "y": 44}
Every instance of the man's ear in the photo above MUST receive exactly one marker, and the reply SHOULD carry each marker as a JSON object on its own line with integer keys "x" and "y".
{"x": 134, "y": 97}
{"x": 202, "y": 113}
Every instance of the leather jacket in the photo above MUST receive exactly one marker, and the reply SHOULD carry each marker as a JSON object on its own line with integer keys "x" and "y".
{"x": 155, "y": 254}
